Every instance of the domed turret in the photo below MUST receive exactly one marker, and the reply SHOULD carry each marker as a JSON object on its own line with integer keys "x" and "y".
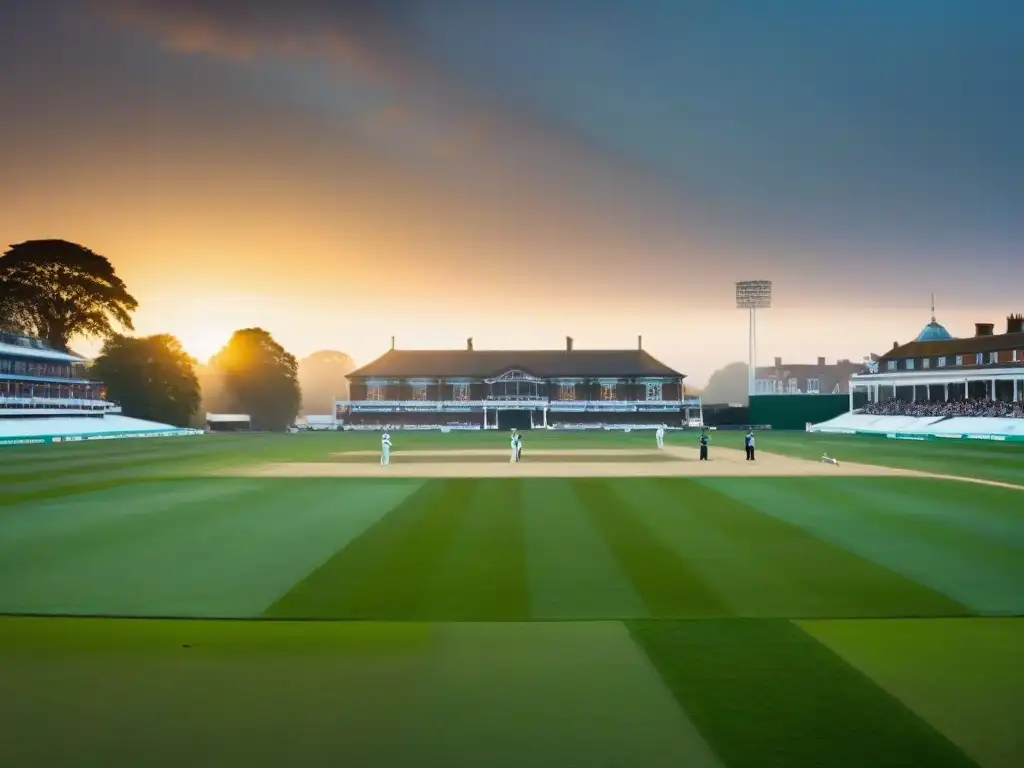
{"x": 934, "y": 331}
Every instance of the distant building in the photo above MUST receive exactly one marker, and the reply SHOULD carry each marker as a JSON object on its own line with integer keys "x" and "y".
{"x": 937, "y": 366}
{"x": 515, "y": 389}
{"x": 818, "y": 378}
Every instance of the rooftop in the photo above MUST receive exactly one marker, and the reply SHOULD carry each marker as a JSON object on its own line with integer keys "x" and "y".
{"x": 20, "y": 345}
{"x": 547, "y": 363}
{"x": 935, "y": 340}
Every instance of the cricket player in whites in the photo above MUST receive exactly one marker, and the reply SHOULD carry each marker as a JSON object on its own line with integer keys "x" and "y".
{"x": 385, "y": 449}
{"x": 515, "y": 447}
{"x": 829, "y": 460}
{"x": 659, "y": 435}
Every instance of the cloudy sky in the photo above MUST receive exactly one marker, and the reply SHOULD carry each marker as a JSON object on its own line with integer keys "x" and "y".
{"x": 520, "y": 170}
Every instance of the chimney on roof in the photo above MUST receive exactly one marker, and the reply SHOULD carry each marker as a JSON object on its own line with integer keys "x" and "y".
{"x": 392, "y": 342}
{"x": 639, "y": 342}
{"x": 1015, "y": 324}
{"x": 895, "y": 344}
{"x": 983, "y": 329}
{"x": 469, "y": 344}
{"x": 821, "y": 362}
{"x": 778, "y": 362}
{"x": 568, "y": 343}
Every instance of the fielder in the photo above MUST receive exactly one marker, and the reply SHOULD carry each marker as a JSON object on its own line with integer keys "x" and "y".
{"x": 703, "y": 446}
{"x": 748, "y": 442}
{"x": 515, "y": 447}
{"x": 519, "y": 446}
{"x": 829, "y": 460}
{"x": 385, "y": 449}
{"x": 660, "y": 436}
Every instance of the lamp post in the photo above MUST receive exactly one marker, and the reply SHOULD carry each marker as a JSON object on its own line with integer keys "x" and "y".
{"x": 753, "y": 295}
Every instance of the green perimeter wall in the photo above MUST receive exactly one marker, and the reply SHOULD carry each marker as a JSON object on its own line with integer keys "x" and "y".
{"x": 794, "y": 411}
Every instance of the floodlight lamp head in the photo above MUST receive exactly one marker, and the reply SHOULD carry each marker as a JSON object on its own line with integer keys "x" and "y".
{"x": 754, "y": 294}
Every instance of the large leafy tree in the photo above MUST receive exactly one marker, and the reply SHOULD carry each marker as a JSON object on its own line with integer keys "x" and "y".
{"x": 58, "y": 290}
{"x": 260, "y": 377}
{"x": 152, "y": 378}
{"x": 322, "y": 380}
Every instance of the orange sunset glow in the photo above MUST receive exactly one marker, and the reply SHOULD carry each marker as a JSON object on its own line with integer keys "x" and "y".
{"x": 342, "y": 177}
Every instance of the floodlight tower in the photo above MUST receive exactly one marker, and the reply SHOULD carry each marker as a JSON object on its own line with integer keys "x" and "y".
{"x": 753, "y": 295}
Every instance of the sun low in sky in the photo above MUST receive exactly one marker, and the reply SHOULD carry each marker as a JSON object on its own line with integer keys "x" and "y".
{"x": 339, "y": 172}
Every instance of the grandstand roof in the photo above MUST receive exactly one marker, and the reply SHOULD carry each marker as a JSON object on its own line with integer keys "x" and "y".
{"x": 545, "y": 364}
{"x": 37, "y": 352}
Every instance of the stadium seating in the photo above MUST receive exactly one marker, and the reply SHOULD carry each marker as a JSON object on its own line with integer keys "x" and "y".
{"x": 924, "y": 427}
{"x": 69, "y": 428}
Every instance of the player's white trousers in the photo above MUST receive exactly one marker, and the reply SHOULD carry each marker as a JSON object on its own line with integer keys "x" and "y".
{"x": 385, "y": 457}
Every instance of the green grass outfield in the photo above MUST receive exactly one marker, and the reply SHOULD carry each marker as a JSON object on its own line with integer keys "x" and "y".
{"x": 721, "y": 622}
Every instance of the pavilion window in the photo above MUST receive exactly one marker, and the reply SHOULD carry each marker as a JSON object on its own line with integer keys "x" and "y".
{"x": 926, "y": 362}
{"x": 567, "y": 392}
{"x": 608, "y": 391}
{"x": 652, "y": 391}
{"x": 891, "y": 365}
{"x": 959, "y": 359}
{"x": 419, "y": 392}
{"x": 940, "y": 363}
{"x": 460, "y": 392}
{"x": 374, "y": 391}
{"x": 910, "y": 364}
{"x": 813, "y": 386}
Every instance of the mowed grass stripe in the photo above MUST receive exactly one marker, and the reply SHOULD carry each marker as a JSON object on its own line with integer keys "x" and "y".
{"x": 863, "y": 516}
{"x": 565, "y": 694}
{"x": 217, "y": 548}
{"x": 481, "y": 575}
{"x": 572, "y": 571}
{"x": 386, "y": 572}
{"x": 668, "y": 584}
{"x": 766, "y": 567}
{"x": 964, "y": 676}
{"x": 763, "y": 693}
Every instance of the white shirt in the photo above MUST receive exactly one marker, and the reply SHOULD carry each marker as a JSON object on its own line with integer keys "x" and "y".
{"x": 661, "y": 432}
{"x": 385, "y": 440}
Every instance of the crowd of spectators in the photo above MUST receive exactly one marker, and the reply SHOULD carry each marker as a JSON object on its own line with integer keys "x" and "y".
{"x": 978, "y": 407}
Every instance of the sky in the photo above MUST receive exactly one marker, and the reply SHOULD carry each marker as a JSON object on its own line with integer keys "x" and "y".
{"x": 519, "y": 171}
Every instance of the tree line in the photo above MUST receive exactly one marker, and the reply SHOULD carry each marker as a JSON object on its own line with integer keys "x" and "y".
{"x": 57, "y": 291}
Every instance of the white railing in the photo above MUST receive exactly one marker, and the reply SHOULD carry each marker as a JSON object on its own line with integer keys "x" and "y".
{"x": 8, "y": 401}
{"x": 515, "y": 403}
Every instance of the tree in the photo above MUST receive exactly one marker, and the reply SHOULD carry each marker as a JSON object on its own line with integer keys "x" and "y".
{"x": 728, "y": 385}
{"x": 57, "y": 290}
{"x": 152, "y": 378}
{"x": 322, "y": 380}
{"x": 261, "y": 378}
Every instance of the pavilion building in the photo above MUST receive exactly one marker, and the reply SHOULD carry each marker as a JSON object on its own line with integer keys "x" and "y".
{"x": 936, "y": 366}
{"x": 490, "y": 389}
